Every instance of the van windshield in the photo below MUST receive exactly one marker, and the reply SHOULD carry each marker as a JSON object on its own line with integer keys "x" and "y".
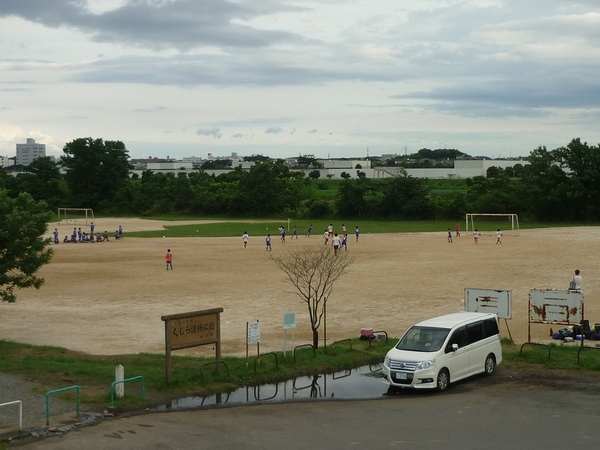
{"x": 423, "y": 339}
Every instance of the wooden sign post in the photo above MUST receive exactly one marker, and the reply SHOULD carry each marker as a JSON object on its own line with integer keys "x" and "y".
{"x": 192, "y": 329}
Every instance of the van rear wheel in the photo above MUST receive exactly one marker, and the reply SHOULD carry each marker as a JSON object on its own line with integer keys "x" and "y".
{"x": 490, "y": 364}
{"x": 443, "y": 380}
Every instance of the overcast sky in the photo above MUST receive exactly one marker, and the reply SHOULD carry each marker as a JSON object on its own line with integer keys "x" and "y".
{"x": 281, "y": 78}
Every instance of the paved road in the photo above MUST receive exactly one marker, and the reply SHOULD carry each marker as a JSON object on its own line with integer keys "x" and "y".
{"x": 480, "y": 414}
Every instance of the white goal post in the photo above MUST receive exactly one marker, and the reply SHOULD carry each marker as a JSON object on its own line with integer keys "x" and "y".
{"x": 72, "y": 215}
{"x": 493, "y": 222}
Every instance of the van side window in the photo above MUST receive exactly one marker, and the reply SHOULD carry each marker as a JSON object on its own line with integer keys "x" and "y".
{"x": 491, "y": 327}
{"x": 459, "y": 337}
{"x": 475, "y": 332}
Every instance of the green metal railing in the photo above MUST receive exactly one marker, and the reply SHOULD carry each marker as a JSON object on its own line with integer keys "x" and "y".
{"x": 126, "y": 380}
{"x": 54, "y": 392}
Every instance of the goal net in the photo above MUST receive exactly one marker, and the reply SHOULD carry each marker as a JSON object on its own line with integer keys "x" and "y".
{"x": 490, "y": 223}
{"x": 74, "y": 216}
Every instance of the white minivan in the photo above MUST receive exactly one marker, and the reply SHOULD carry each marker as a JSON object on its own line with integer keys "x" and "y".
{"x": 445, "y": 349}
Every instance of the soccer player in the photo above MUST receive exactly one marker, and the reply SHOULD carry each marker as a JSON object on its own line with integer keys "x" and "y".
{"x": 55, "y": 235}
{"x": 356, "y": 233}
{"x": 336, "y": 244}
{"x": 120, "y": 232}
{"x": 344, "y": 233}
{"x": 330, "y": 230}
{"x": 245, "y": 238}
{"x": 476, "y": 236}
{"x": 457, "y": 227}
{"x": 449, "y": 236}
{"x": 498, "y": 236}
{"x": 295, "y": 233}
{"x": 326, "y": 236}
{"x": 309, "y": 230}
{"x": 92, "y": 228}
{"x": 268, "y": 242}
{"x": 282, "y": 229}
{"x": 169, "y": 259}
{"x": 345, "y": 242}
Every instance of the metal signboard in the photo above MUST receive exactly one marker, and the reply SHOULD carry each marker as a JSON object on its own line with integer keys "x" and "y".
{"x": 254, "y": 333}
{"x": 494, "y": 301}
{"x": 555, "y": 306}
{"x": 289, "y": 320}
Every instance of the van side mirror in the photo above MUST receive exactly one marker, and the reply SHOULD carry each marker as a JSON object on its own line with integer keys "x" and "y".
{"x": 454, "y": 347}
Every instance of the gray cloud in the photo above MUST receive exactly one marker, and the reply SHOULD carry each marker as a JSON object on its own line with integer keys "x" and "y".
{"x": 237, "y": 136}
{"x": 214, "y": 132}
{"x": 179, "y": 24}
{"x": 273, "y": 130}
{"x": 313, "y": 131}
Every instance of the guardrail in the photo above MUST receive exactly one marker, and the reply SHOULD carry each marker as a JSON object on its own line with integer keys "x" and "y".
{"x": 20, "y": 411}
{"x": 376, "y": 332}
{"x": 578, "y": 352}
{"x": 341, "y": 340}
{"x": 126, "y": 380}
{"x": 535, "y": 344}
{"x": 54, "y": 392}
{"x": 304, "y": 345}
{"x": 257, "y": 360}
{"x": 218, "y": 361}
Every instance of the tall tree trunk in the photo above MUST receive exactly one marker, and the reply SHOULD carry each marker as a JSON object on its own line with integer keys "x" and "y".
{"x": 315, "y": 339}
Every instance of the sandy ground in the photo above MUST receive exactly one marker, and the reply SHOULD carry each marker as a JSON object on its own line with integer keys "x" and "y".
{"x": 108, "y": 298}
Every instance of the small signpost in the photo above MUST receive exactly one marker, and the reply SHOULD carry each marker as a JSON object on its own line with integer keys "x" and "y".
{"x": 192, "y": 329}
{"x": 289, "y": 321}
{"x": 252, "y": 337}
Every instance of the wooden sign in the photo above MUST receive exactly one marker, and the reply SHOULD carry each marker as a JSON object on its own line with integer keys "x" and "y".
{"x": 192, "y": 329}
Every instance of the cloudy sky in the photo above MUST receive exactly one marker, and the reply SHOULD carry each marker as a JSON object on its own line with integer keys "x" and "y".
{"x": 286, "y": 77}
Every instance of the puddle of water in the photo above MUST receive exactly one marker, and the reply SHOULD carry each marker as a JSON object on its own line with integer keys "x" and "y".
{"x": 363, "y": 382}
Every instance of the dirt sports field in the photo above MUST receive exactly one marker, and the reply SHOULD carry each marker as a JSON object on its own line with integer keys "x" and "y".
{"x": 108, "y": 298}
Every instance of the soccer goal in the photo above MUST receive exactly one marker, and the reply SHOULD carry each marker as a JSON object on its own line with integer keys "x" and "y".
{"x": 489, "y": 223}
{"x": 74, "y": 216}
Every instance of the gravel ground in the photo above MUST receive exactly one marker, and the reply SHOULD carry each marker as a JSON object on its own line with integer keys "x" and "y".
{"x": 14, "y": 387}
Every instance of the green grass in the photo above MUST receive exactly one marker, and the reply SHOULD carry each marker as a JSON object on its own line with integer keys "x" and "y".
{"x": 262, "y": 227}
{"x": 562, "y": 356}
{"x": 58, "y": 367}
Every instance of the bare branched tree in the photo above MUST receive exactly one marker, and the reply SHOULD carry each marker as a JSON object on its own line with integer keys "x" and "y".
{"x": 312, "y": 271}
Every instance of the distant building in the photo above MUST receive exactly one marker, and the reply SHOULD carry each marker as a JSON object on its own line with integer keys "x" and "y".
{"x": 6, "y": 161}
{"x": 26, "y": 153}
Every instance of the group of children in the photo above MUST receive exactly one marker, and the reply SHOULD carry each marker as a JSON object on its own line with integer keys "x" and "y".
{"x": 78, "y": 235}
{"x": 337, "y": 242}
{"x": 476, "y": 235}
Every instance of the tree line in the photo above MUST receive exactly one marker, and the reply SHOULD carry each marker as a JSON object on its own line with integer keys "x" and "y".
{"x": 558, "y": 185}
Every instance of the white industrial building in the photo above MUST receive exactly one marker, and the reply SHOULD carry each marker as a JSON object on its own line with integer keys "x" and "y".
{"x": 6, "y": 161}
{"x": 26, "y": 153}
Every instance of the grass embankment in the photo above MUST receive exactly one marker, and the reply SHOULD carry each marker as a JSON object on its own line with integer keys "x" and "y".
{"x": 57, "y": 367}
{"x": 262, "y": 227}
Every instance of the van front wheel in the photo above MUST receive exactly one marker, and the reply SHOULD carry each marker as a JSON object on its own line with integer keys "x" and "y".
{"x": 443, "y": 380}
{"x": 490, "y": 364}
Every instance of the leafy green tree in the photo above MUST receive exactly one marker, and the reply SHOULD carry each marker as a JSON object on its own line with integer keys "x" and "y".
{"x": 314, "y": 174}
{"x": 405, "y": 197}
{"x": 345, "y": 175}
{"x": 23, "y": 222}
{"x": 96, "y": 169}
{"x": 307, "y": 161}
{"x": 43, "y": 181}
{"x": 544, "y": 187}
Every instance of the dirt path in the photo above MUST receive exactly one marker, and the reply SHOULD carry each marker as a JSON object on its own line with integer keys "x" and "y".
{"x": 107, "y": 298}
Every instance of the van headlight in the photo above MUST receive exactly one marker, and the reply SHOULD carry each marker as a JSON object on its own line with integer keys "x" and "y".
{"x": 386, "y": 361}
{"x": 425, "y": 364}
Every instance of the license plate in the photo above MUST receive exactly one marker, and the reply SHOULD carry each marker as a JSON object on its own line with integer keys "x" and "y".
{"x": 400, "y": 376}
